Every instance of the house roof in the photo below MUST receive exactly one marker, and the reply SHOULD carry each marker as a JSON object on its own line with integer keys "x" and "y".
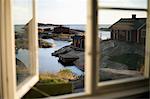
{"x": 133, "y": 23}
{"x": 78, "y": 37}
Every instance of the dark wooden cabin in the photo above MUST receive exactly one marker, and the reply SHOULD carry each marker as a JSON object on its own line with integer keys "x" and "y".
{"x": 129, "y": 29}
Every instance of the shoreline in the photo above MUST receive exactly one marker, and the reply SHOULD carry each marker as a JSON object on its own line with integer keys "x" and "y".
{"x": 109, "y": 48}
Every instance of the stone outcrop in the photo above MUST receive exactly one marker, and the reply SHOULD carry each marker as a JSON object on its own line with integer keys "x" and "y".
{"x": 108, "y": 49}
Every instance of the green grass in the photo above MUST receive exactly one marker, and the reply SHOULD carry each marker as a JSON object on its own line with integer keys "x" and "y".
{"x": 133, "y": 61}
{"x": 51, "y": 78}
{"x": 53, "y": 84}
{"x": 50, "y": 89}
{"x": 44, "y": 44}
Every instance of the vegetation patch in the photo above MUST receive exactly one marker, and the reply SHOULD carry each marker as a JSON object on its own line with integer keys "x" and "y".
{"x": 67, "y": 74}
{"x": 44, "y": 44}
{"x": 21, "y": 43}
{"x": 51, "y": 85}
{"x": 51, "y": 78}
{"x": 133, "y": 61}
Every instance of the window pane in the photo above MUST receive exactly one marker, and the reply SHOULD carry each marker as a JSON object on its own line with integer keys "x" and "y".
{"x": 22, "y": 19}
{"x": 124, "y": 3}
{"x": 122, "y": 45}
{"x": 61, "y": 46}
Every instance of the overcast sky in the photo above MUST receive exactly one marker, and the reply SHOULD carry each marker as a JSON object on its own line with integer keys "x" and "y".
{"x": 74, "y": 11}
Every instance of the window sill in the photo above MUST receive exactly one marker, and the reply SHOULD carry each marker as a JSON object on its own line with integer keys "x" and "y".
{"x": 113, "y": 89}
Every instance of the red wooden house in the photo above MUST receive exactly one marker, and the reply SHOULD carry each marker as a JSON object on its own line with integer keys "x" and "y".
{"x": 129, "y": 29}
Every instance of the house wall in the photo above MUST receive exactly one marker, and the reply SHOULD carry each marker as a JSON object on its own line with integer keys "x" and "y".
{"x": 122, "y": 35}
{"x": 78, "y": 42}
{"x": 128, "y": 35}
{"x": 125, "y": 32}
{"x": 142, "y": 32}
{"x": 133, "y": 36}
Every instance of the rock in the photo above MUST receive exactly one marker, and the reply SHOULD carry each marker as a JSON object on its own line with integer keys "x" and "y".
{"x": 63, "y": 50}
{"x": 108, "y": 49}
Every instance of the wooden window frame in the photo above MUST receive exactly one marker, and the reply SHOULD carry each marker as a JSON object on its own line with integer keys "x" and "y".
{"x": 10, "y": 88}
{"x": 115, "y": 88}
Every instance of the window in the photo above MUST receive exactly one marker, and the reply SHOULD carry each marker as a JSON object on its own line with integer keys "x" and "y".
{"x": 22, "y": 19}
{"x": 19, "y": 78}
{"x": 119, "y": 56}
{"x": 122, "y": 56}
{"x": 118, "y": 88}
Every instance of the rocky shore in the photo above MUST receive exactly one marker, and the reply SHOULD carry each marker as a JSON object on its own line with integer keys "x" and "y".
{"x": 110, "y": 68}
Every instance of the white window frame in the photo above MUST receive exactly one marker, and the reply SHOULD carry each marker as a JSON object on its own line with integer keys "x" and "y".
{"x": 115, "y": 88}
{"x": 10, "y": 88}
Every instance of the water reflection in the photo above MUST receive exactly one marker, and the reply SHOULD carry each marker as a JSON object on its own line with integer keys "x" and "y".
{"x": 48, "y": 63}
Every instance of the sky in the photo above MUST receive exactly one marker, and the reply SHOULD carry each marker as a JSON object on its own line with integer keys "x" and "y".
{"x": 74, "y": 11}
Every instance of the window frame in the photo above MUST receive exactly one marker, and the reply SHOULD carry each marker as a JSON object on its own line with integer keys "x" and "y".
{"x": 115, "y": 88}
{"x": 10, "y": 88}
{"x": 30, "y": 81}
{"x": 92, "y": 86}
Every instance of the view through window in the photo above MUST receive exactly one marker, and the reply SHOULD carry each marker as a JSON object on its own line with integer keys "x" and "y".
{"x": 61, "y": 29}
{"x": 22, "y": 19}
{"x": 123, "y": 33}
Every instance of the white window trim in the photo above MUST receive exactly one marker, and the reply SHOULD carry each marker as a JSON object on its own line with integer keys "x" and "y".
{"x": 92, "y": 86}
{"x": 28, "y": 83}
{"x": 10, "y": 88}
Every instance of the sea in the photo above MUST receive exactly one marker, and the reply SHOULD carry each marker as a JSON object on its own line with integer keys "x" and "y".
{"x": 49, "y": 63}
{"x": 102, "y": 34}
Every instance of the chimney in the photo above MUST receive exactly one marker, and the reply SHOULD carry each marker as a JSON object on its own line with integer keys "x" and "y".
{"x": 133, "y": 16}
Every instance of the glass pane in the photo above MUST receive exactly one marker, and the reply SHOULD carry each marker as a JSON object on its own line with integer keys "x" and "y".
{"x": 61, "y": 46}
{"x": 22, "y": 19}
{"x": 122, "y": 35}
{"x": 124, "y": 3}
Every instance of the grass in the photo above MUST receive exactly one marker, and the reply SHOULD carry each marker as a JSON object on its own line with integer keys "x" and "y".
{"x": 63, "y": 76}
{"x": 51, "y": 84}
{"x": 67, "y": 74}
{"x": 133, "y": 61}
{"x": 51, "y": 79}
{"x": 44, "y": 44}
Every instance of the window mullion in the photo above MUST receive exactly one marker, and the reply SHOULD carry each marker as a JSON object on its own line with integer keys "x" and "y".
{"x": 91, "y": 51}
{"x": 8, "y": 51}
{"x": 147, "y": 48}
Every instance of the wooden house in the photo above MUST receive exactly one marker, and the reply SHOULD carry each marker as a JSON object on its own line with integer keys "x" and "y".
{"x": 78, "y": 41}
{"x": 129, "y": 29}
